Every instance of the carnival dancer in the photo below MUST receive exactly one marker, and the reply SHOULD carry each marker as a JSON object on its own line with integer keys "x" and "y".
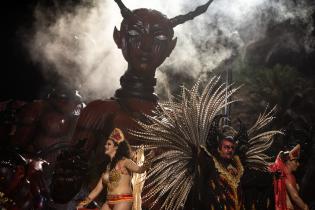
{"x": 118, "y": 175}
{"x": 285, "y": 187}
{"x": 200, "y": 167}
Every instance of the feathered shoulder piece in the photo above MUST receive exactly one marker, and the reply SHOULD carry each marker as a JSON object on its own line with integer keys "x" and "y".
{"x": 178, "y": 128}
{"x": 256, "y": 141}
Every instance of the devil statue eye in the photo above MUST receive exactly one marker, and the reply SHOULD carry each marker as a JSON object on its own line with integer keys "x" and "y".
{"x": 161, "y": 37}
{"x": 133, "y": 33}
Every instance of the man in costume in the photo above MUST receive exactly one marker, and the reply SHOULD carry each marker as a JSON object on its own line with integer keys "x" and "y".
{"x": 285, "y": 187}
{"x": 221, "y": 170}
{"x": 198, "y": 168}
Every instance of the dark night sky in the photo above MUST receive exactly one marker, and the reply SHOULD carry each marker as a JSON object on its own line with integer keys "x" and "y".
{"x": 21, "y": 79}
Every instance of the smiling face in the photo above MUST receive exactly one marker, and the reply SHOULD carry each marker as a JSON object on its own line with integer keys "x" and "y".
{"x": 226, "y": 149}
{"x": 145, "y": 40}
{"x": 110, "y": 148}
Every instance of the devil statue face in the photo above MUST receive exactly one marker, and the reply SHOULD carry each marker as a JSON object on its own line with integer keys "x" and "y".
{"x": 145, "y": 40}
{"x": 146, "y": 36}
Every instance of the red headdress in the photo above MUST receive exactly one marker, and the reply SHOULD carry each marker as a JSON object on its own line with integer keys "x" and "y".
{"x": 117, "y": 136}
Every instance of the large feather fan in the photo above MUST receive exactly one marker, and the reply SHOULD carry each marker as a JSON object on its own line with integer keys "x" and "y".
{"x": 259, "y": 142}
{"x": 178, "y": 128}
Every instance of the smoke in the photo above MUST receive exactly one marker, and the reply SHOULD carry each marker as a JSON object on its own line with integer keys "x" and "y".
{"x": 77, "y": 44}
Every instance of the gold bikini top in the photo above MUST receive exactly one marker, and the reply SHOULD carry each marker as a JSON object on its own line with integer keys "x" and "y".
{"x": 111, "y": 178}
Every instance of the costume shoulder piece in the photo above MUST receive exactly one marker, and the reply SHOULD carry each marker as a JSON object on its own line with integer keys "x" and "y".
{"x": 178, "y": 128}
{"x": 252, "y": 143}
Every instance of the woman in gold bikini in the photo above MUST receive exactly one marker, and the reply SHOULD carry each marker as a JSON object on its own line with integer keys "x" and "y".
{"x": 117, "y": 176}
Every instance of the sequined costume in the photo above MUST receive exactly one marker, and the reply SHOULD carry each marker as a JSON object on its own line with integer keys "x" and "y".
{"x": 181, "y": 129}
{"x": 222, "y": 189}
{"x": 111, "y": 179}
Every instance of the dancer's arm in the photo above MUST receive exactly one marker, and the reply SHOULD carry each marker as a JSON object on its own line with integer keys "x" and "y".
{"x": 133, "y": 167}
{"x": 93, "y": 194}
{"x": 294, "y": 195}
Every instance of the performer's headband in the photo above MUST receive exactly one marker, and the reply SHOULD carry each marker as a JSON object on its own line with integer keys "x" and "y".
{"x": 117, "y": 136}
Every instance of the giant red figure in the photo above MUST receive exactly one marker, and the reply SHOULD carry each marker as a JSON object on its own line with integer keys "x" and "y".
{"x": 146, "y": 40}
{"x": 46, "y": 125}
